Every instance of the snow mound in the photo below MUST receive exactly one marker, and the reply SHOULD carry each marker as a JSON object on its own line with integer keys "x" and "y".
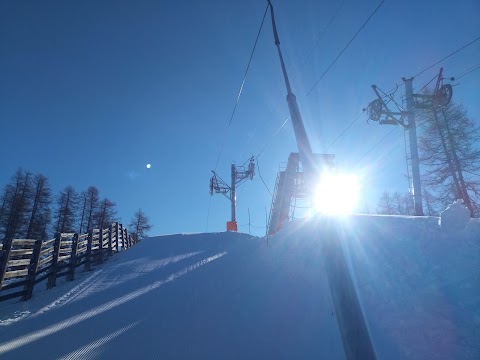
{"x": 455, "y": 217}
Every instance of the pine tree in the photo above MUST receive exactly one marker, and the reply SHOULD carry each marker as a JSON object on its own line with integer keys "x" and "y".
{"x": 396, "y": 204}
{"x": 83, "y": 212}
{"x": 66, "y": 209}
{"x": 409, "y": 204}
{"x": 386, "y": 205}
{"x": 4, "y": 209}
{"x": 431, "y": 205}
{"x": 40, "y": 211}
{"x": 449, "y": 149}
{"x": 15, "y": 204}
{"x": 399, "y": 204}
{"x": 140, "y": 225}
{"x": 106, "y": 214}
{"x": 91, "y": 206}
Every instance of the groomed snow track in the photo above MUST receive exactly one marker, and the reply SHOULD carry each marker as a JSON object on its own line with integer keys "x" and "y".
{"x": 232, "y": 296}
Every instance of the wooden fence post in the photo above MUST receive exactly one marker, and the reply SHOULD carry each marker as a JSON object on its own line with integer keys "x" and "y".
{"x": 121, "y": 234}
{"x": 110, "y": 230}
{"x": 100, "y": 244}
{"x": 127, "y": 239}
{"x": 117, "y": 232}
{"x": 32, "y": 270}
{"x": 53, "y": 271}
{"x": 88, "y": 256}
{"x": 73, "y": 258}
{"x": 4, "y": 261}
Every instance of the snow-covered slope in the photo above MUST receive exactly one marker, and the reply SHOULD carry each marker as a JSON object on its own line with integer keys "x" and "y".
{"x": 419, "y": 285}
{"x": 232, "y": 296}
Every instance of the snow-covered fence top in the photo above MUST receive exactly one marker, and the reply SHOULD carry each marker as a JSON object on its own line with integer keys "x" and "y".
{"x": 25, "y": 262}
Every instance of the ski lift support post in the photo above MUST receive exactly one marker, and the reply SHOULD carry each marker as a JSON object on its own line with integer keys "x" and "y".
{"x": 353, "y": 330}
{"x": 239, "y": 174}
{"x": 301, "y": 137}
{"x": 378, "y": 108}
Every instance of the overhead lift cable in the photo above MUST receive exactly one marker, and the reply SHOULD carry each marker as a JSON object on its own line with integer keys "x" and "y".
{"x": 326, "y": 71}
{"x": 424, "y": 86}
{"x": 235, "y": 106}
{"x": 321, "y": 34}
{"x": 378, "y": 143}
{"x": 346, "y": 129}
{"x": 468, "y": 72}
{"x": 345, "y": 48}
{"x": 391, "y": 98}
{"x": 241, "y": 88}
{"x": 396, "y": 86}
{"x": 320, "y": 37}
{"x": 449, "y": 55}
{"x": 266, "y": 144}
{"x": 261, "y": 178}
{"x": 445, "y": 58}
{"x": 388, "y": 94}
{"x": 420, "y": 73}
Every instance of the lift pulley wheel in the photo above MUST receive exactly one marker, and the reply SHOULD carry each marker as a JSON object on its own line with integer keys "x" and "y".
{"x": 375, "y": 110}
{"x": 443, "y": 95}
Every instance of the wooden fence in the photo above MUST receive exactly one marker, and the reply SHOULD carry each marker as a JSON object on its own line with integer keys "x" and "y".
{"x": 25, "y": 263}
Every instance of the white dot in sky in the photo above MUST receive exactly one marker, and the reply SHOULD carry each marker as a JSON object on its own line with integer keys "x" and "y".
{"x": 149, "y": 166}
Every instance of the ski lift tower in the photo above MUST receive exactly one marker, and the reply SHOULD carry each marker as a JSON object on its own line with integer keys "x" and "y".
{"x": 379, "y": 111}
{"x": 239, "y": 174}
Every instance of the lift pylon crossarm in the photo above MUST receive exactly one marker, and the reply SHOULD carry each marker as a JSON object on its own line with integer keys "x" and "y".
{"x": 218, "y": 186}
{"x": 442, "y": 95}
{"x": 378, "y": 108}
{"x": 248, "y": 173}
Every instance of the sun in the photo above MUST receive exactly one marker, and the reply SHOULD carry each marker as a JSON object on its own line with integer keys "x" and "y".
{"x": 336, "y": 194}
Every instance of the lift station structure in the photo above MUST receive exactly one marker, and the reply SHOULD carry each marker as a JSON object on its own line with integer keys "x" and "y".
{"x": 293, "y": 183}
{"x": 303, "y": 168}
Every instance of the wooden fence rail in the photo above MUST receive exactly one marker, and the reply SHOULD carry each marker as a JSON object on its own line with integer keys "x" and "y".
{"x": 25, "y": 262}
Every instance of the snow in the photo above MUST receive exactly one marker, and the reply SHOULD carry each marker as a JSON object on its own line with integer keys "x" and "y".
{"x": 234, "y": 296}
{"x": 455, "y": 217}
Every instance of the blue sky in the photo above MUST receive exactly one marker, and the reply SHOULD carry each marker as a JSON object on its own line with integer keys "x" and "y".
{"x": 92, "y": 91}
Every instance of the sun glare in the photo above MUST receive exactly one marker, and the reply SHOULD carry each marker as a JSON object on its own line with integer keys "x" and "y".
{"x": 336, "y": 194}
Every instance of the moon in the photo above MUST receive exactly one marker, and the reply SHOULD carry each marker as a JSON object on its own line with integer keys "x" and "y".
{"x": 149, "y": 166}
